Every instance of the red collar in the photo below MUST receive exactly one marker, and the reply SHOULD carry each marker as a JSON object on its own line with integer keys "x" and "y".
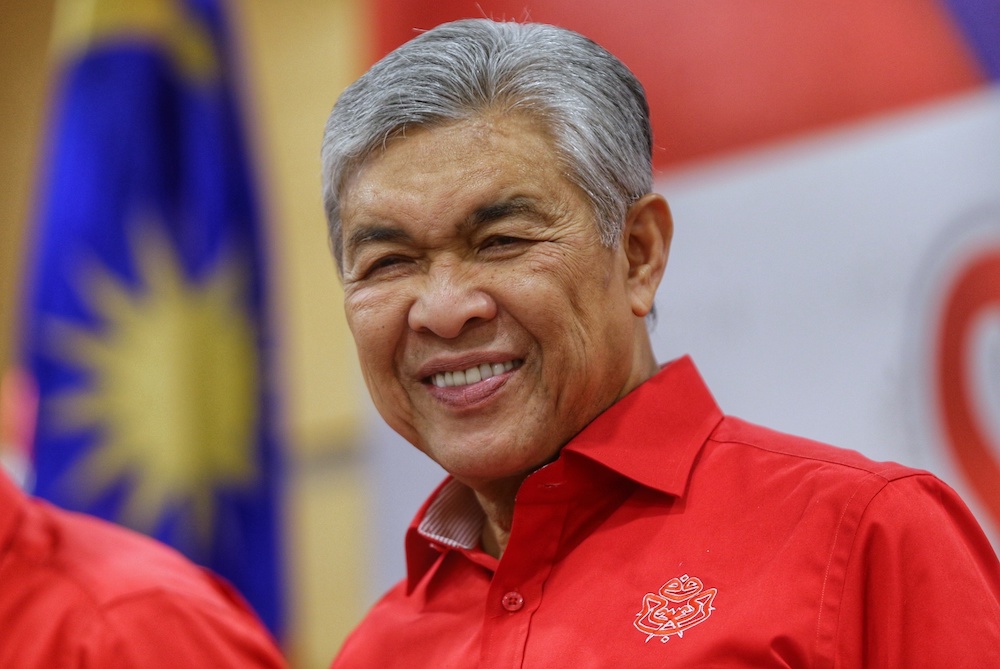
{"x": 664, "y": 423}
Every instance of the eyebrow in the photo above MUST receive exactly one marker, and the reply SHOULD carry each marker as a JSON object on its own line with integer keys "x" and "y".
{"x": 374, "y": 233}
{"x": 516, "y": 206}
{"x": 482, "y": 216}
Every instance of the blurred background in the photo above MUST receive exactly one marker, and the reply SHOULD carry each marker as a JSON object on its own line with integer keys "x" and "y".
{"x": 172, "y": 343}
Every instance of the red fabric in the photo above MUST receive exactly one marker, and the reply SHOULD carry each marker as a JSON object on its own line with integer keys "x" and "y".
{"x": 668, "y": 536}
{"x": 79, "y": 593}
{"x": 732, "y": 74}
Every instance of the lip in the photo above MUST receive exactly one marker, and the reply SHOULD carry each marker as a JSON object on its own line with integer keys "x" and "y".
{"x": 461, "y": 362}
{"x": 471, "y": 396}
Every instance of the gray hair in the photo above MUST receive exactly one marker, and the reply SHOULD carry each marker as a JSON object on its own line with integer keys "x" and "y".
{"x": 590, "y": 102}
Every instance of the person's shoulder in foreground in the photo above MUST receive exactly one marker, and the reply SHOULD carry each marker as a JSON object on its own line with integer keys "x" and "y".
{"x": 78, "y": 593}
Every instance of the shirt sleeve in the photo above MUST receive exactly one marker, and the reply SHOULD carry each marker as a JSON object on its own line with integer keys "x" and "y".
{"x": 169, "y": 630}
{"x": 922, "y": 588}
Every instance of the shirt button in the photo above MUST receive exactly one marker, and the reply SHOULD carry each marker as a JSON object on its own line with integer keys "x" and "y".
{"x": 512, "y": 601}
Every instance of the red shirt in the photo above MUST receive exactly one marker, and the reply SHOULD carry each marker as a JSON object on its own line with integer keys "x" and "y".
{"x": 80, "y": 593}
{"x": 667, "y": 535}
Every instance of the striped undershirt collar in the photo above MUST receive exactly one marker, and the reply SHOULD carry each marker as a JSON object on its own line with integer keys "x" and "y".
{"x": 454, "y": 518}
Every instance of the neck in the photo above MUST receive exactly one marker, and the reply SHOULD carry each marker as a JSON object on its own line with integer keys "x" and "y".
{"x": 497, "y": 497}
{"x": 497, "y": 502}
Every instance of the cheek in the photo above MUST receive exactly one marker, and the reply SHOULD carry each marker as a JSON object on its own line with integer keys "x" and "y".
{"x": 557, "y": 269}
{"x": 376, "y": 319}
{"x": 575, "y": 288}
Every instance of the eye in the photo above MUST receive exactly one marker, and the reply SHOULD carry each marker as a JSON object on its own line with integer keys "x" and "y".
{"x": 385, "y": 265}
{"x": 501, "y": 241}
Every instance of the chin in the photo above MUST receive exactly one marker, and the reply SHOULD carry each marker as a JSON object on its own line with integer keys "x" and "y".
{"x": 481, "y": 465}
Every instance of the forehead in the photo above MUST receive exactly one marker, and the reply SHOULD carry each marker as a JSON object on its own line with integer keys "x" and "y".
{"x": 443, "y": 172}
{"x": 430, "y": 183}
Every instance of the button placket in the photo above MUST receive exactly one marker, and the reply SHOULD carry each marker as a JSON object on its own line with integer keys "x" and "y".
{"x": 522, "y": 571}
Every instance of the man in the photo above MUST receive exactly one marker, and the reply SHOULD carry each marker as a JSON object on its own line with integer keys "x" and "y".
{"x": 488, "y": 192}
{"x": 79, "y": 593}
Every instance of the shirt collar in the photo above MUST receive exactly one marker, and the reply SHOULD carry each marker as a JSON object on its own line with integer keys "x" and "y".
{"x": 651, "y": 436}
{"x": 453, "y": 517}
{"x": 450, "y": 518}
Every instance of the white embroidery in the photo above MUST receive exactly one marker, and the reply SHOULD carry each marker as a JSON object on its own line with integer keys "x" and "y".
{"x": 679, "y": 604}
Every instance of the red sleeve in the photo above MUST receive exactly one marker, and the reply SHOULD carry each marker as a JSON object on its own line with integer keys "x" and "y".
{"x": 168, "y": 630}
{"x": 925, "y": 582}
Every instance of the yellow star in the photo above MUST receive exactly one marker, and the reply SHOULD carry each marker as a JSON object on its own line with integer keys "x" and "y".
{"x": 172, "y": 389}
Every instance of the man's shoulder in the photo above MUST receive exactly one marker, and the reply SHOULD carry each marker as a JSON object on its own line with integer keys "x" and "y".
{"x": 776, "y": 448}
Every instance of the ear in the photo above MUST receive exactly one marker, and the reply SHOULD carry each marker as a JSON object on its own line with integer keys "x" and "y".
{"x": 649, "y": 227}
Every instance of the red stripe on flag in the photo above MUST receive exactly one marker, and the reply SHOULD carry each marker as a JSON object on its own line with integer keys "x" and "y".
{"x": 730, "y": 74}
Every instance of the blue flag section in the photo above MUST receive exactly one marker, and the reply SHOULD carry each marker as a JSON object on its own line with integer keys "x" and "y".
{"x": 979, "y": 21}
{"x": 145, "y": 326}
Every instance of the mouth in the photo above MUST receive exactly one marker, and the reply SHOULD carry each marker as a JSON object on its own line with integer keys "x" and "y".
{"x": 475, "y": 374}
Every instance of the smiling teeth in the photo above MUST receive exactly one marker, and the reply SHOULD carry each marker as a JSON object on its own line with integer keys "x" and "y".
{"x": 473, "y": 374}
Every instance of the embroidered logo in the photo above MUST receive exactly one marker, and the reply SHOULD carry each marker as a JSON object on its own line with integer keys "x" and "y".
{"x": 679, "y": 604}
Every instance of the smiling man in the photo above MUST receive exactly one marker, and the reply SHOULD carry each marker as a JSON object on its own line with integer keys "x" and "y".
{"x": 488, "y": 192}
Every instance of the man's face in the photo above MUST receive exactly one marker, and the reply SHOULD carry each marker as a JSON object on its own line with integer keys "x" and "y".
{"x": 491, "y": 323}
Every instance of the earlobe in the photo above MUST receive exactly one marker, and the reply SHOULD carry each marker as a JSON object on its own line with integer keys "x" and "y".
{"x": 648, "y": 231}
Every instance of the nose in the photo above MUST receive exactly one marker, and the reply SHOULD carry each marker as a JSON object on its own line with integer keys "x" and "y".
{"x": 448, "y": 302}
